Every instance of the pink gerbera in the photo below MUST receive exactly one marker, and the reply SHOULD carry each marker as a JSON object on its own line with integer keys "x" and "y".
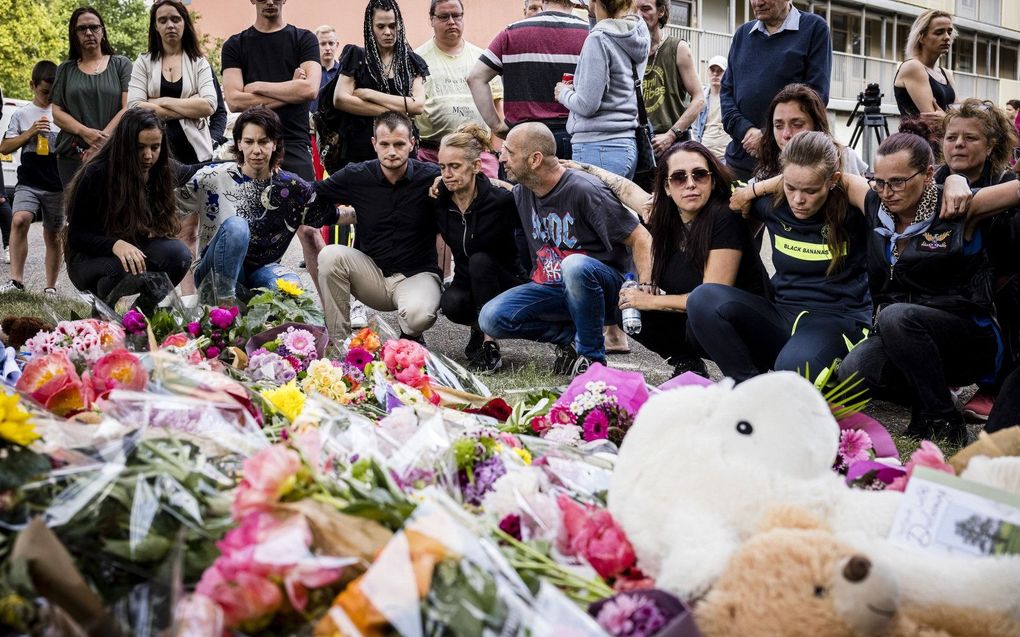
{"x": 298, "y": 342}
{"x": 854, "y": 446}
{"x": 359, "y": 357}
{"x": 596, "y": 425}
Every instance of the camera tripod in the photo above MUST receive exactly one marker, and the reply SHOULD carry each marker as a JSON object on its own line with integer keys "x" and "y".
{"x": 872, "y": 118}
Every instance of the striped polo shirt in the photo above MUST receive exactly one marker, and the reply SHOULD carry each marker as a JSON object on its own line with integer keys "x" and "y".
{"x": 532, "y": 55}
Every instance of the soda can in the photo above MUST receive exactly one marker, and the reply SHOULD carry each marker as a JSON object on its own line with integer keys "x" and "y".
{"x": 568, "y": 78}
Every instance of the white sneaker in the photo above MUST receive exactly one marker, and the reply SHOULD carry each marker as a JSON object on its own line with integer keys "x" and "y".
{"x": 359, "y": 315}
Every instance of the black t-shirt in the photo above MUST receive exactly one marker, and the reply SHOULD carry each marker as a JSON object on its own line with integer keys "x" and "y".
{"x": 681, "y": 275}
{"x": 358, "y": 128}
{"x": 801, "y": 257}
{"x": 273, "y": 57}
{"x": 579, "y": 215}
{"x": 180, "y": 147}
{"x": 396, "y": 222}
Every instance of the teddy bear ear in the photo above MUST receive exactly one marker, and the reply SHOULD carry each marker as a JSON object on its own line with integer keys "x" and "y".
{"x": 789, "y": 517}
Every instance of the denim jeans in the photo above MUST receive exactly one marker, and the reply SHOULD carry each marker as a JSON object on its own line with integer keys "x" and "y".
{"x": 615, "y": 155}
{"x": 224, "y": 258}
{"x": 571, "y": 312}
{"x": 917, "y": 352}
{"x": 747, "y": 335}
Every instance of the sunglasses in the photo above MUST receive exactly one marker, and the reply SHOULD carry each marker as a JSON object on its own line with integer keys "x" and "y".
{"x": 94, "y": 28}
{"x": 700, "y": 176}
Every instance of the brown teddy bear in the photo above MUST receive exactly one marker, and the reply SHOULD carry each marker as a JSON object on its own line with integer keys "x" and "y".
{"x": 795, "y": 578}
{"x": 18, "y": 329}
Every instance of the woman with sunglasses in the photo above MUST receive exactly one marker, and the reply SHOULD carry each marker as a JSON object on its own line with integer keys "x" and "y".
{"x": 820, "y": 298}
{"x": 90, "y": 92}
{"x": 175, "y": 81}
{"x": 977, "y": 143}
{"x": 695, "y": 240}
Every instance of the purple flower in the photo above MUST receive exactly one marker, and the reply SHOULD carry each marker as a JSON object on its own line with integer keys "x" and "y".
{"x": 486, "y": 473}
{"x": 511, "y": 525}
{"x": 221, "y": 317}
{"x": 359, "y": 357}
{"x": 212, "y": 352}
{"x": 854, "y": 446}
{"x": 631, "y": 615}
{"x": 134, "y": 322}
{"x": 596, "y": 425}
{"x": 194, "y": 328}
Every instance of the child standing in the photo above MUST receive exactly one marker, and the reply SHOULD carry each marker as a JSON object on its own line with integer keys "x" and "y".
{"x": 38, "y": 193}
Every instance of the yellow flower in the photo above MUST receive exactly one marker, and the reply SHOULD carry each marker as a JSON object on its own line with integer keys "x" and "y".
{"x": 325, "y": 379}
{"x": 14, "y": 425}
{"x": 288, "y": 287}
{"x": 287, "y": 399}
{"x": 524, "y": 454}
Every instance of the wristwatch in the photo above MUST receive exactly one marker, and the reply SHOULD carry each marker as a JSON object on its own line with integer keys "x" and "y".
{"x": 676, "y": 131}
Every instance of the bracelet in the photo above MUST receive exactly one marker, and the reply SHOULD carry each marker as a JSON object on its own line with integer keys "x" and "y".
{"x": 753, "y": 191}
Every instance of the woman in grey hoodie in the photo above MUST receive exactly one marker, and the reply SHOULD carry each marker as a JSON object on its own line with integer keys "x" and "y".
{"x": 602, "y": 99}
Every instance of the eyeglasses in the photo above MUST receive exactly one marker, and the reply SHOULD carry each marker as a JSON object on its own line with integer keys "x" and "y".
{"x": 699, "y": 175}
{"x": 894, "y": 185}
{"x": 447, "y": 17}
{"x": 89, "y": 28}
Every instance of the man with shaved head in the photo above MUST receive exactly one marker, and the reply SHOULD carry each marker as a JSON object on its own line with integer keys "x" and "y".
{"x": 581, "y": 238}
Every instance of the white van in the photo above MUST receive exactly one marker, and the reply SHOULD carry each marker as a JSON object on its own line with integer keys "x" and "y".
{"x": 10, "y": 162}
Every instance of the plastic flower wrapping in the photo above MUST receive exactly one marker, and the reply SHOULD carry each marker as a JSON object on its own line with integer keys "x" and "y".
{"x": 235, "y": 471}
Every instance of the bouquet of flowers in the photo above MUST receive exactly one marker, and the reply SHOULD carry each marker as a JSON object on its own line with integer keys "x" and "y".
{"x": 269, "y": 308}
{"x": 592, "y": 415}
{"x": 54, "y": 382}
{"x": 289, "y": 345}
{"x": 83, "y": 342}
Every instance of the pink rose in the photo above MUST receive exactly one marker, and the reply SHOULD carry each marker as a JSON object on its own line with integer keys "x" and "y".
{"x": 592, "y": 534}
{"x": 180, "y": 339}
{"x": 404, "y": 359}
{"x": 268, "y": 475}
{"x": 928, "y": 455}
{"x": 194, "y": 328}
{"x": 247, "y": 600}
{"x": 134, "y": 322}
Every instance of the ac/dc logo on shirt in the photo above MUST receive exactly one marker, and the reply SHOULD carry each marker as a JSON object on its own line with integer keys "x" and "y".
{"x": 555, "y": 229}
{"x": 935, "y": 242}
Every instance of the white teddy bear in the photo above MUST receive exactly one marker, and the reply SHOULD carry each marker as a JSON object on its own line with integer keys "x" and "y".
{"x": 701, "y": 465}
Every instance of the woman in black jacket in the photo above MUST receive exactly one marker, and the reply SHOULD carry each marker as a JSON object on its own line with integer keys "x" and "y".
{"x": 121, "y": 213}
{"x": 477, "y": 220}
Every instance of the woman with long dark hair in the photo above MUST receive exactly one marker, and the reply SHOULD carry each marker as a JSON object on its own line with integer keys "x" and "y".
{"x": 820, "y": 299}
{"x": 174, "y": 80}
{"x": 695, "y": 240}
{"x": 90, "y": 91}
{"x": 385, "y": 75}
{"x": 121, "y": 211}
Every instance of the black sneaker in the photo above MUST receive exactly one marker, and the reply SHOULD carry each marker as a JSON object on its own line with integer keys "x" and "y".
{"x": 566, "y": 356}
{"x": 487, "y": 360}
{"x": 582, "y": 364}
{"x": 689, "y": 364}
{"x": 951, "y": 429}
{"x": 474, "y": 344}
{"x": 420, "y": 339}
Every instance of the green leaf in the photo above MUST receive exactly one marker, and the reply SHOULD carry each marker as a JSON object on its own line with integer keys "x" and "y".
{"x": 20, "y": 466}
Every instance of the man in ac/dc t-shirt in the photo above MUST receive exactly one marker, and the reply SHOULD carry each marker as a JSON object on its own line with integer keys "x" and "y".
{"x": 277, "y": 65}
{"x": 532, "y": 55}
{"x": 581, "y": 236}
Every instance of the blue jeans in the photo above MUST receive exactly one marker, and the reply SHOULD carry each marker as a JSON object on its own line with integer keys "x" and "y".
{"x": 747, "y": 335}
{"x": 224, "y": 258}
{"x": 615, "y": 155}
{"x": 571, "y": 312}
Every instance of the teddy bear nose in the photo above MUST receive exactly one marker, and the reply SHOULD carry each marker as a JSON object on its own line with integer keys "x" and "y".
{"x": 857, "y": 569}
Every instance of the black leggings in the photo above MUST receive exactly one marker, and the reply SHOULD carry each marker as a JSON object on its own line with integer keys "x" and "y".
{"x": 665, "y": 333}
{"x": 485, "y": 280}
{"x": 100, "y": 275}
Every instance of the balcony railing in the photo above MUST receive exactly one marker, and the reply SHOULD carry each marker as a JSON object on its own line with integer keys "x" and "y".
{"x": 850, "y": 73}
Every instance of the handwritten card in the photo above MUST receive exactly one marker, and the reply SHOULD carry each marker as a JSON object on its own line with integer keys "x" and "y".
{"x": 945, "y": 514}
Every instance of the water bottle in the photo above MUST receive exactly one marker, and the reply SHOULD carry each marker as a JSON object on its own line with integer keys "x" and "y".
{"x": 631, "y": 315}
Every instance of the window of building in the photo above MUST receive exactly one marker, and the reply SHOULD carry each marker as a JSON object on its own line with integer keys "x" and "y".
{"x": 680, "y": 13}
{"x": 1008, "y": 61}
{"x": 963, "y": 53}
{"x": 979, "y": 10}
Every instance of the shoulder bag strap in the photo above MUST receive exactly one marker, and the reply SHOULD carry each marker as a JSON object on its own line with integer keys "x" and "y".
{"x": 639, "y": 93}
